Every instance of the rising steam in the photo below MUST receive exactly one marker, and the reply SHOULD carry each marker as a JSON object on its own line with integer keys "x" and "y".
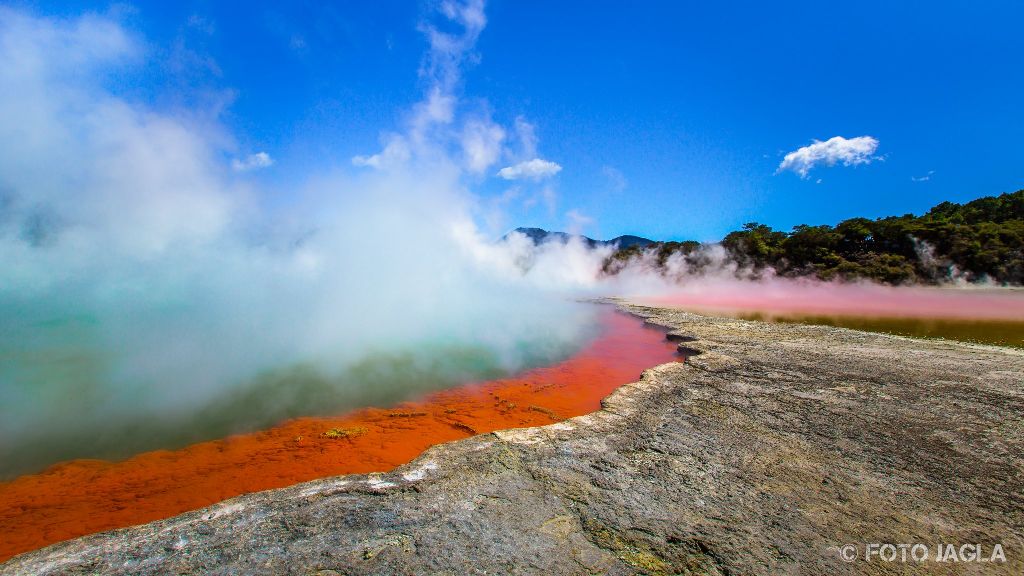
{"x": 150, "y": 298}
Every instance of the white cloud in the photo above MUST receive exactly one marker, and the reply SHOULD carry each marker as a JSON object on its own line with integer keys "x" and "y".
{"x": 447, "y": 50}
{"x": 395, "y": 152}
{"x": 438, "y": 108}
{"x": 255, "y": 161}
{"x": 536, "y": 169}
{"x": 849, "y": 152}
{"x": 924, "y": 178}
{"x": 481, "y": 144}
{"x": 450, "y": 47}
{"x": 527, "y": 137}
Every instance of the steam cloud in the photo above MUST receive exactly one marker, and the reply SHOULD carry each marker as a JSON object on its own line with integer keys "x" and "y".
{"x": 149, "y": 298}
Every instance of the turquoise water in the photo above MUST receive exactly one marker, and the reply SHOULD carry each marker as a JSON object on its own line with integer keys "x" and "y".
{"x": 65, "y": 391}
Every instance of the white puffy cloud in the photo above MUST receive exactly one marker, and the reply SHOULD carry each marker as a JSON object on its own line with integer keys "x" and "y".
{"x": 849, "y": 152}
{"x": 536, "y": 169}
{"x": 255, "y": 161}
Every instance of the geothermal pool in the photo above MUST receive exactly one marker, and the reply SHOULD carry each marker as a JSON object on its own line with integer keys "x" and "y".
{"x": 979, "y": 315}
{"x": 80, "y": 497}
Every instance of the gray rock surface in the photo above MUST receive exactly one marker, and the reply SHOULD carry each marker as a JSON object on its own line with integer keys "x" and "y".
{"x": 770, "y": 449}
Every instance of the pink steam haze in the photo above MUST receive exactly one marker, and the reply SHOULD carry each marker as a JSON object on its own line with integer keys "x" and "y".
{"x": 781, "y": 297}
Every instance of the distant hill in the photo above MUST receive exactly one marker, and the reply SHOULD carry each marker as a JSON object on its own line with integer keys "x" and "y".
{"x": 980, "y": 241}
{"x": 539, "y": 236}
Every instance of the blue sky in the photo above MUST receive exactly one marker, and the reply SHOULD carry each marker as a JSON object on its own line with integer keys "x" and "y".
{"x": 668, "y": 119}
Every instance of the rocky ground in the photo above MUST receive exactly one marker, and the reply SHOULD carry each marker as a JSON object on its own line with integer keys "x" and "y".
{"x": 769, "y": 450}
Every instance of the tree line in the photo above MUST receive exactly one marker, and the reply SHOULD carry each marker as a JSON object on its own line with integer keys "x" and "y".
{"x": 980, "y": 241}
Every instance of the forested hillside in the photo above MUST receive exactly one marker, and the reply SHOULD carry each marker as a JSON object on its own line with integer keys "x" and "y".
{"x": 982, "y": 240}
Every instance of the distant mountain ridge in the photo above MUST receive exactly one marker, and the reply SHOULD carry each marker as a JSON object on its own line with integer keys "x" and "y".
{"x": 540, "y": 235}
{"x": 981, "y": 241}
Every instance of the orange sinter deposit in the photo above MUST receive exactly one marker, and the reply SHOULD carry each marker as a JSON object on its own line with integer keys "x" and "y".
{"x": 85, "y": 496}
